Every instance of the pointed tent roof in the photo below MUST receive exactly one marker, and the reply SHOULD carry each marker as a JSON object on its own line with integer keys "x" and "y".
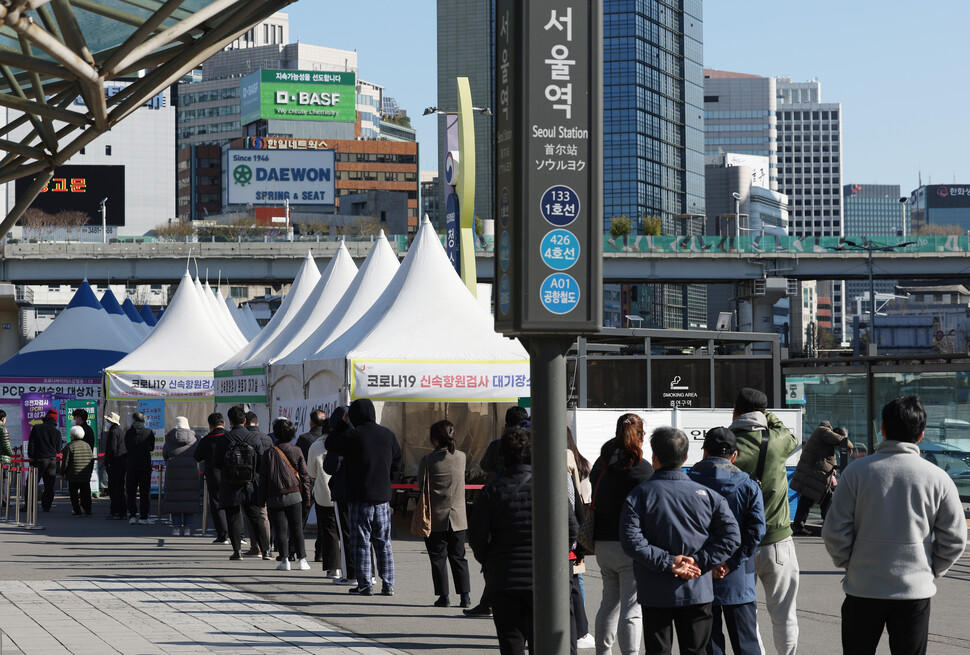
{"x": 250, "y": 318}
{"x": 323, "y": 298}
{"x": 183, "y": 340}
{"x": 208, "y": 314}
{"x": 132, "y": 313}
{"x": 303, "y": 285}
{"x": 221, "y": 312}
{"x": 81, "y": 342}
{"x": 373, "y": 277}
{"x": 121, "y": 320}
{"x": 146, "y": 313}
{"x": 426, "y": 312}
{"x": 239, "y": 318}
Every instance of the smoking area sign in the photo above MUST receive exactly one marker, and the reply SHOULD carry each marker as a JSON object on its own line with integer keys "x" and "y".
{"x": 548, "y": 163}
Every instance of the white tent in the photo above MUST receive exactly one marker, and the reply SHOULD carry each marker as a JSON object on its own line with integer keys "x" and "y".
{"x": 240, "y": 318}
{"x": 221, "y": 312}
{"x": 241, "y": 381}
{"x": 250, "y": 318}
{"x": 371, "y": 280}
{"x": 131, "y": 336}
{"x": 427, "y": 341}
{"x": 174, "y": 363}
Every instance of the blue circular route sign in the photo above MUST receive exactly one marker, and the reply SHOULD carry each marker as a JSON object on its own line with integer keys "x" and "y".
{"x": 559, "y": 293}
{"x": 504, "y": 295}
{"x": 560, "y": 205}
{"x": 559, "y": 250}
{"x": 505, "y": 251}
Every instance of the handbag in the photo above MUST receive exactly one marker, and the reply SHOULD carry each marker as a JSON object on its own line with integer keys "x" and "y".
{"x": 295, "y": 474}
{"x": 585, "y": 537}
{"x": 421, "y": 517}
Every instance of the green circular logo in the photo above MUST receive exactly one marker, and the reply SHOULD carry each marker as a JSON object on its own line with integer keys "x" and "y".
{"x": 242, "y": 174}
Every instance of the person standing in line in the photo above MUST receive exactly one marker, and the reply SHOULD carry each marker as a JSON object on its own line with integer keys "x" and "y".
{"x": 327, "y": 547}
{"x": 80, "y": 416}
{"x": 77, "y": 463}
{"x": 181, "y": 477}
{"x": 140, "y": 443}
{"x": 116, "y": 465}
{"x": 676, "y": 531}
{"x": 252, "y": 424}
{"x": 284, "y": 486}
{"x": 238, "y": 452}
{"x": 212, "y": 468}
{"x": 333, "y": 465}
{"x": 445, "y": 469}
{"x": 6, "y": 454}
{"x": 814, "y": 476}
{"x": 895, "y": 525}
{"x": 618, "y": 470}
{"x": 735, "y": 589}
{"x": 373, "y": 457}
{"x": 318, "y": 418}
{"x": 43, "y": 445}
{"x": 764, "y": 444}
{"x": 491, "y": 464}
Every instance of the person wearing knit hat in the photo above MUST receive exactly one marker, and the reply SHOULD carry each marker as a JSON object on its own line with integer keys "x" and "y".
{"x": 43, "y": 444}
{"x": 77, "y": 463}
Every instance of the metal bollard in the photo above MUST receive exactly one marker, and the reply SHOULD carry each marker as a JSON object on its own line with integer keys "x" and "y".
{"x": 19, "y": 485}
{"x": 161, "y": 490}
{"x": 32, "y": 522}
{"x": 7, "y": 473}
{"x": 205, "y": 508}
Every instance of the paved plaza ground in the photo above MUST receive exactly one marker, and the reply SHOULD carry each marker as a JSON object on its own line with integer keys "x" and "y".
{"x": 90, "y": 586}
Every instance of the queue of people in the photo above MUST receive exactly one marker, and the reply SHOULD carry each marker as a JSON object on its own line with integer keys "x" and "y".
{"x": 679, "y": 552}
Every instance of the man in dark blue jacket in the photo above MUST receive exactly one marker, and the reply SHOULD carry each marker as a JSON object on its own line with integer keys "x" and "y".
{"x": 734, "y": 580}
{"x": 676, "y": 531}
{"x": 372, "y": 458}
{"x": 43, "y": 444}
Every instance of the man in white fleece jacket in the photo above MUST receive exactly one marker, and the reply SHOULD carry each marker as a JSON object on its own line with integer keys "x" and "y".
{"x": 896, "y": 523}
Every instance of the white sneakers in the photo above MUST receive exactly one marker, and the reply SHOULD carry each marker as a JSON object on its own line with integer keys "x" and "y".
{"x": 284, "y": 565}
{"x": 586, "y": 641}
{"x": 336, "y": 574}
{"x": 176, "y": 532}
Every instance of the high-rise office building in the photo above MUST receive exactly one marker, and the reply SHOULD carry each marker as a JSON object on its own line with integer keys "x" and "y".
{"x": 740, "y": 117}
{"x": 942, "y": 206}
{"x": 466, "y": 42}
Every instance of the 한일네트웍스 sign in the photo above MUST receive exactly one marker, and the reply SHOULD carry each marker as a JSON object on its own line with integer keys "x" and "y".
{"x": 298, "y": 96}
{"x": 548, "y": 167}
{"x": 274, "y": 177}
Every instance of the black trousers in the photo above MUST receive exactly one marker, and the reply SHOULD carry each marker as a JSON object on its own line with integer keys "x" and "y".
{"x": 805, "y": 504}
{"x": 80, "y": 496}
{"x": 219, "y": 523}
{"x": 288, "y": 524}
{"x": 140, "y": 483}
{"x": 117, "y": 474}
{"x": 512, "y": 615}
{"x": 863, "y": 621}
{"x": 46, "y": 471}
{"x": 235, "y": 520}
{"x": 692, "y": 623}
{"x": 448, "y": 547}
{"x": 343, "y": 511}
{"x": 327, "y": 545}
{"x": 577, "y": 608}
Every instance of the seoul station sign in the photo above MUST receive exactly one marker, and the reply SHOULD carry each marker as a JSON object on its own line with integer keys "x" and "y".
{"x": 298, "y": 96}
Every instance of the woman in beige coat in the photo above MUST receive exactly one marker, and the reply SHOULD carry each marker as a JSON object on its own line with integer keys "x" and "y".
{"x": 446, "y": 477}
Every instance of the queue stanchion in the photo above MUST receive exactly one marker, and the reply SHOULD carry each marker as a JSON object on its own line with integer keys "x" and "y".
{"x": 34, "y": 525}
{"x": 20, "y": 485}
{"x": 31, "y": 497}
{"x": 7, "y": 474}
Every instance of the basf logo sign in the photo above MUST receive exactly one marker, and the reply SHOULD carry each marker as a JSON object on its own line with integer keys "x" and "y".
{"x": 298, "y": 96}
{"x": 273, "y": 177}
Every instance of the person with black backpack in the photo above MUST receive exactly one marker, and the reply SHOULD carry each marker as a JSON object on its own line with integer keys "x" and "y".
{"x": 238, "y": 452}
{"x": 140, "y": 443}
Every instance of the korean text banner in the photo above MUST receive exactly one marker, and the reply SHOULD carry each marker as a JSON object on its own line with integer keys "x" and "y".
{"x": 298, "y": 410}
{"x": 440, "y": 381}
{"x": 166, "y": 384}
{"x": 299, "y": 96}
{"x": 11, "y": 389}
{"x": 247, "y": 385}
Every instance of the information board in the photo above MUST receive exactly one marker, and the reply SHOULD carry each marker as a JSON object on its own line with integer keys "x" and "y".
{"x": 548, "y": 162}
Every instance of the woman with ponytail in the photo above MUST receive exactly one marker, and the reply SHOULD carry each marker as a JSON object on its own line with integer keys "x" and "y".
{"x": 618, "y": 470}
{"x": 445, "y": 467}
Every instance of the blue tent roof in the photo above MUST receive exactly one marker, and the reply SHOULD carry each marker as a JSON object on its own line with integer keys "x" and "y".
{"x": 129, "y": 309}
{"x": 146, "y": 313}
{"x": 110, "y": 303}
{"x": 84, "y": 324}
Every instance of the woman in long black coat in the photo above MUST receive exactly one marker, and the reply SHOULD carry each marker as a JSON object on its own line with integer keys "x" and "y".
{"x": 181, "y": 490}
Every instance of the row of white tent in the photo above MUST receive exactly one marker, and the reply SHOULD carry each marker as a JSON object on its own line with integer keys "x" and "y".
{"x": 390, "y": 331}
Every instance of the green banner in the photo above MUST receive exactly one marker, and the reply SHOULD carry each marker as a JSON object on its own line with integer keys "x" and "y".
{"x": 298, "y": 95}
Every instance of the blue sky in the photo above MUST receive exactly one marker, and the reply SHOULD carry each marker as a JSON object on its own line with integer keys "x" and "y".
{"x": 897, "y": 68}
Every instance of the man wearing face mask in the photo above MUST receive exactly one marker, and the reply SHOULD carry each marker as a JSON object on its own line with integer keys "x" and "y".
{"x": 116, "y": 464}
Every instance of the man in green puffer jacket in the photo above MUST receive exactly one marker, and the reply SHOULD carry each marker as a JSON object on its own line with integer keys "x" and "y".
{"x": 775, "y": 562}
{"x": 77, "y": 465}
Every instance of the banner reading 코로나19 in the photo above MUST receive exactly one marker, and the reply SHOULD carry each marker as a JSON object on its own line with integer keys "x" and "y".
{"x": 440, "y": 381}
{"x": 148, "y": 384}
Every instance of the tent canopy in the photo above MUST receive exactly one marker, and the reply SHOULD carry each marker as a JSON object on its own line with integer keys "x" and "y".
{"x": 146, "y": 313}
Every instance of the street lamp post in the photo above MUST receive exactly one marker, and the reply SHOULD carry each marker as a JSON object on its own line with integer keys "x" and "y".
{"x": 104, "y": 220}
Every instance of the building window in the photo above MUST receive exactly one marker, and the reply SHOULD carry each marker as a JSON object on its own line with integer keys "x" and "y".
{"x": 107, "y": 150}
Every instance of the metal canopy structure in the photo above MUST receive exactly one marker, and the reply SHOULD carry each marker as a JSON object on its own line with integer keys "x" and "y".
{"x": 54, "y": 52}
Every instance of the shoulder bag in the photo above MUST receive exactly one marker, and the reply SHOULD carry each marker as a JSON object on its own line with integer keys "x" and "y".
{"x": 586, "y": 538}
{"x": 421, "y": 517}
